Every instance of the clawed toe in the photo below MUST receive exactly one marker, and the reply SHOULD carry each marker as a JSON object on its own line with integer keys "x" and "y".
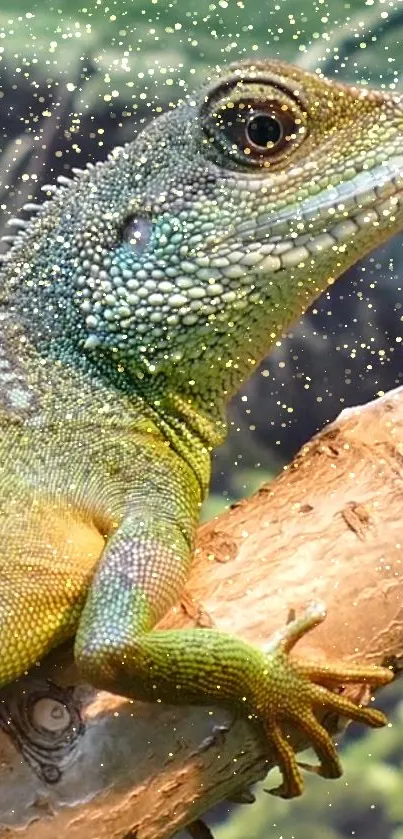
{"x": 309, "y": 686}
{"x": 323, "y": 745}
{"x": 292, "y": 784}
{"x": 346, "y": 708}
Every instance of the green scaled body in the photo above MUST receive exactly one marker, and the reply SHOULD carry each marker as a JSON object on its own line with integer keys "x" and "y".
{"x": 132, "y": 306}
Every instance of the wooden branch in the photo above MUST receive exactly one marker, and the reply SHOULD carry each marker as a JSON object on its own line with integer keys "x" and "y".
{"x": 78, "y": 764}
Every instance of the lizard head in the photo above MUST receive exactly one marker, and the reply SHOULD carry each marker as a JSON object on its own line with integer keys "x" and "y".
{"x": 192, "y": 248}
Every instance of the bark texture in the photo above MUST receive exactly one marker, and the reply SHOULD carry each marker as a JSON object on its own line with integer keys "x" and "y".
{"x": 79, "y": 764}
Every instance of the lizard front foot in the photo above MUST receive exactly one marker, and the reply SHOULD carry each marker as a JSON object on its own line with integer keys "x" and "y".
{"x": 305, "y": 686}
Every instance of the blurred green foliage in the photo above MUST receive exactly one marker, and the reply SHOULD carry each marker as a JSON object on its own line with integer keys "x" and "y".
{"x": 148, "y": 52}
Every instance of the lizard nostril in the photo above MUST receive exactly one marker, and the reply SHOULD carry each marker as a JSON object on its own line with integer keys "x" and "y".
{"x": 137, "y": 232}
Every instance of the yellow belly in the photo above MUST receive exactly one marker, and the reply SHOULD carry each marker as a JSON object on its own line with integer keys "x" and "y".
{"x": 47, "y": 558}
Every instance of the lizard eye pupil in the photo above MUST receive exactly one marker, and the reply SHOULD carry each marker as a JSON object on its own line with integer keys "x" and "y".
{"x": 263, "y": 131}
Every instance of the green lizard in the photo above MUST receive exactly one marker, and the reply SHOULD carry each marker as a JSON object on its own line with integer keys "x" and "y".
{"x": 133, "y": 304}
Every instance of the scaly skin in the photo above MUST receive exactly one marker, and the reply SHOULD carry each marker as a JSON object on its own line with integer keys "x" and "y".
{"x": 134, "y": 303}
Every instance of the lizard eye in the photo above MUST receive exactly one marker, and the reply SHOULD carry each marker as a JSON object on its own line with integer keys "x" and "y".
{"x": 257, "y": 130}
{"x": 253, "y": 121}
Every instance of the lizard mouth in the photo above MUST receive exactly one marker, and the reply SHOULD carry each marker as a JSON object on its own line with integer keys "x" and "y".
{"x": 370, "y": 201}
{"x": 368, "y": 188}
{"x": 369, "y": 204}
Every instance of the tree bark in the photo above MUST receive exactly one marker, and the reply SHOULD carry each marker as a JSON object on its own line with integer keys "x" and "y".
{"x": 79, "y": 764}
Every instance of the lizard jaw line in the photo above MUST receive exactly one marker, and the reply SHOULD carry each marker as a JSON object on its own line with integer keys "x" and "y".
{"x": 369, "y": 188}
{"x": 296, "y": 252}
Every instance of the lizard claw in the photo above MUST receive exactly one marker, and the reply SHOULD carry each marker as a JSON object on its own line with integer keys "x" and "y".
{"x": 306, "y": 686}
